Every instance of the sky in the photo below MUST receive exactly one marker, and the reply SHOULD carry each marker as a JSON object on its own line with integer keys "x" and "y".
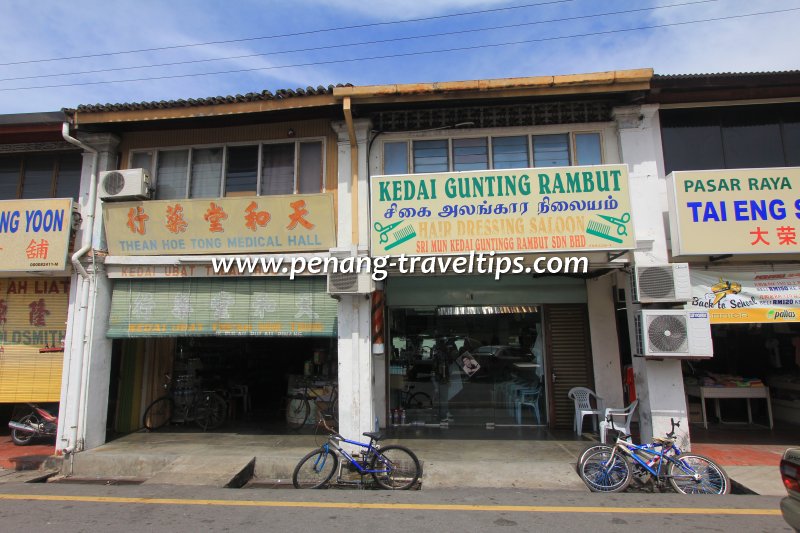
{"x": 298, "y": 44}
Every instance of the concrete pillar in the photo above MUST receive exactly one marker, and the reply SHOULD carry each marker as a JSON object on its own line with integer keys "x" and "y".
{"x": 659, "y": 384}
{"x": 604, "y": 339}
{"x": 357, "y": 394}
{"x": 86, "y": 375}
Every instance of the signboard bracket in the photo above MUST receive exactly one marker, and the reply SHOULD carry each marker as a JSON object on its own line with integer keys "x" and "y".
{"x": 613, "y": 257}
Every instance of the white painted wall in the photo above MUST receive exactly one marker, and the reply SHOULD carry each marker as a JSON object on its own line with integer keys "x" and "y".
{"x": 605, "y": 341}
{"x": 659, "y": 384}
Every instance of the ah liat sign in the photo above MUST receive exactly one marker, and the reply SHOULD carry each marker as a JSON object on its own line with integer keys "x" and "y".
{"x": 510, "y": 210}
{"x": 741, "y": 211}
{"x": 34, "y": 234}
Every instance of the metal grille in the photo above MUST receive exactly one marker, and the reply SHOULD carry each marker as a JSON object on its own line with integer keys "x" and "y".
{"x": 538, "y": 114}
{"x": 656, "y": 282}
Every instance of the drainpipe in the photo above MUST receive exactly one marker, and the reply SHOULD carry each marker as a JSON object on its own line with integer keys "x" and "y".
{"x": 79, "y": 333}
{"x": 351, "y": 132}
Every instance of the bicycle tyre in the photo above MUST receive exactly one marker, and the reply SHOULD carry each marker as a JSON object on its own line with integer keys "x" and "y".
{"x": 315, "y": 469}
{"x": 23, "y": 438}
{"x": 297, "y": 411}
{"x": 591, "y": 449}
{"x": 158, "y": 414}
{"x": 403, "y": 468}
{"x": 602, "y": 478}
{"x": 713, "y": 479}
{"x": 419, "y": 400}
{"x": 211, "y": 411}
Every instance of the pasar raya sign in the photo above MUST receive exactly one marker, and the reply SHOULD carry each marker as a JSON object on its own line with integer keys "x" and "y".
{"x": 259, "y": 224}
{"x": 741, "y": 297}
{"x": 512, "y": 210}
{"x": 34, "y": 234}
{"x": 749, "y": 211}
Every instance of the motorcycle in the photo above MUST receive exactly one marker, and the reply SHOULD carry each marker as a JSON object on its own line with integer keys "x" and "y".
{"x": 38, "y": 423}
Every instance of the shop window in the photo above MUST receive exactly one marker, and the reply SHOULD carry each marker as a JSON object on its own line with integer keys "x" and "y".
{"x": 791, "y": 143}
{"x": 510, "y": 152}
{"x": 206, "y": 173}
{"x": 470, "y": 154}
{"x": 38, "y": 179}
{"x": 241, "y": 175}
{"x": 285, "y": 168}
{"x": 10, "y": 171}
{"x": 68, "y": 178}
{"x": 278, "y": 169}
{"x": 142, "y": 160}
{"x": 309, "y": 173}
{"x": 431, "y": 156}
{"x": 395, "y": 158}
{"x": 587, "y": 149}
{"x": 40, "y": 176}
{"x": 551, "y": 150}
{"x": 731, "y": 137}
{"x": 171, "y": 175}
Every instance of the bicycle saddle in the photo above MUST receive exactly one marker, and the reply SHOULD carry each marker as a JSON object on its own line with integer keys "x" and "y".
{"x": 663, "y": 440}
{"x": 373, "y": 435}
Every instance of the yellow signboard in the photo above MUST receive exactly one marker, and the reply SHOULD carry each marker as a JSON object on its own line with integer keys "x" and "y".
{"x": 512, "y": 210}
{"x": 34, "y": 234}
{"x": 745, "y": 211}
{"x": 33, "y": 316}
{"x": 259, "y": 224}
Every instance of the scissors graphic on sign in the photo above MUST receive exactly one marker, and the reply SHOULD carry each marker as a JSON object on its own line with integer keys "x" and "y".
{"x": 619, "y": 222}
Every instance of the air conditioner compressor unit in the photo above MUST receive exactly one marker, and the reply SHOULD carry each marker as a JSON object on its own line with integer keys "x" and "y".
{"x": 130, "y": 184}
{"x": 679, "y": 333}
{"x": 662, "y": 283}
{"x": 348, "y": 282}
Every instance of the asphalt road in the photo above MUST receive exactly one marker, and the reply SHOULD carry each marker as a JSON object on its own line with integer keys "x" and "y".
{"x": 178, "y": 509}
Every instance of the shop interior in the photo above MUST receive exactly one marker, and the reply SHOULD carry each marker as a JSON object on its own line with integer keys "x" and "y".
{"x": 256, "y": 376}
{"x": 466, "y": 367}
{"x": 747, "y": 358}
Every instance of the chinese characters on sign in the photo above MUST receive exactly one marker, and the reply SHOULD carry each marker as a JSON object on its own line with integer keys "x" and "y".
{"x": 514, "y": 210}
{"x": 34, "y": 234}
{"x": 226, "y": 225}
{"x": 753, "y": 211}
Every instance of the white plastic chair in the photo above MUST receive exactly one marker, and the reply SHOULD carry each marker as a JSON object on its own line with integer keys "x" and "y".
{"x": 583, "y": 406}
{"x": 622, "y": 420}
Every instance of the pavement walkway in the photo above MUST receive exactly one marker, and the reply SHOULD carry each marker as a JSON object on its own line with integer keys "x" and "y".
{"x": 234, "y": 459}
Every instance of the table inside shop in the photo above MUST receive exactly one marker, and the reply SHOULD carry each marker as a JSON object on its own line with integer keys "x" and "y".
{"x": 726, "y": 393}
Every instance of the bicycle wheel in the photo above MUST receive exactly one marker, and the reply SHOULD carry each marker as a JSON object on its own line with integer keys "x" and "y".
{"x": 696, "y": 474}
{"x": 158, "y": 413}
{"x": 297, "y": 411}
{"x": 419, "y": 400}
{"x": 602, "y": 474}
{"x": 401, "y": 468}
{"x": 211, "y": 411}
{"x": 315, "y": 469}
{"x": 23, "y": 438}
{"x": 591, "y": 449}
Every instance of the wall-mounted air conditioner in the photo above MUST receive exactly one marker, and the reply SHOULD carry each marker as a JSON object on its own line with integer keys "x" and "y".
{"x": 130, "y": 184}
{"x": 662, "y": 283}
{"x": 347, "y": 279}
{"x": 674, "y": 334}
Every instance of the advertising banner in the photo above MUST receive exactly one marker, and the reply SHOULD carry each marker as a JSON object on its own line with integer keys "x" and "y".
{"x": 259, "y": 224}
{"x": 744, "y": 211}
{"x": 555, "y": 209}
{"x": 34, "y": 234}
{"x": 742, "y": 297}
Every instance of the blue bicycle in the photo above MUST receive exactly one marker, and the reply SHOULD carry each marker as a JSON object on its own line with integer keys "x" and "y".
{"x": 610, "y": 469}
{"x": 392, "y": 467}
